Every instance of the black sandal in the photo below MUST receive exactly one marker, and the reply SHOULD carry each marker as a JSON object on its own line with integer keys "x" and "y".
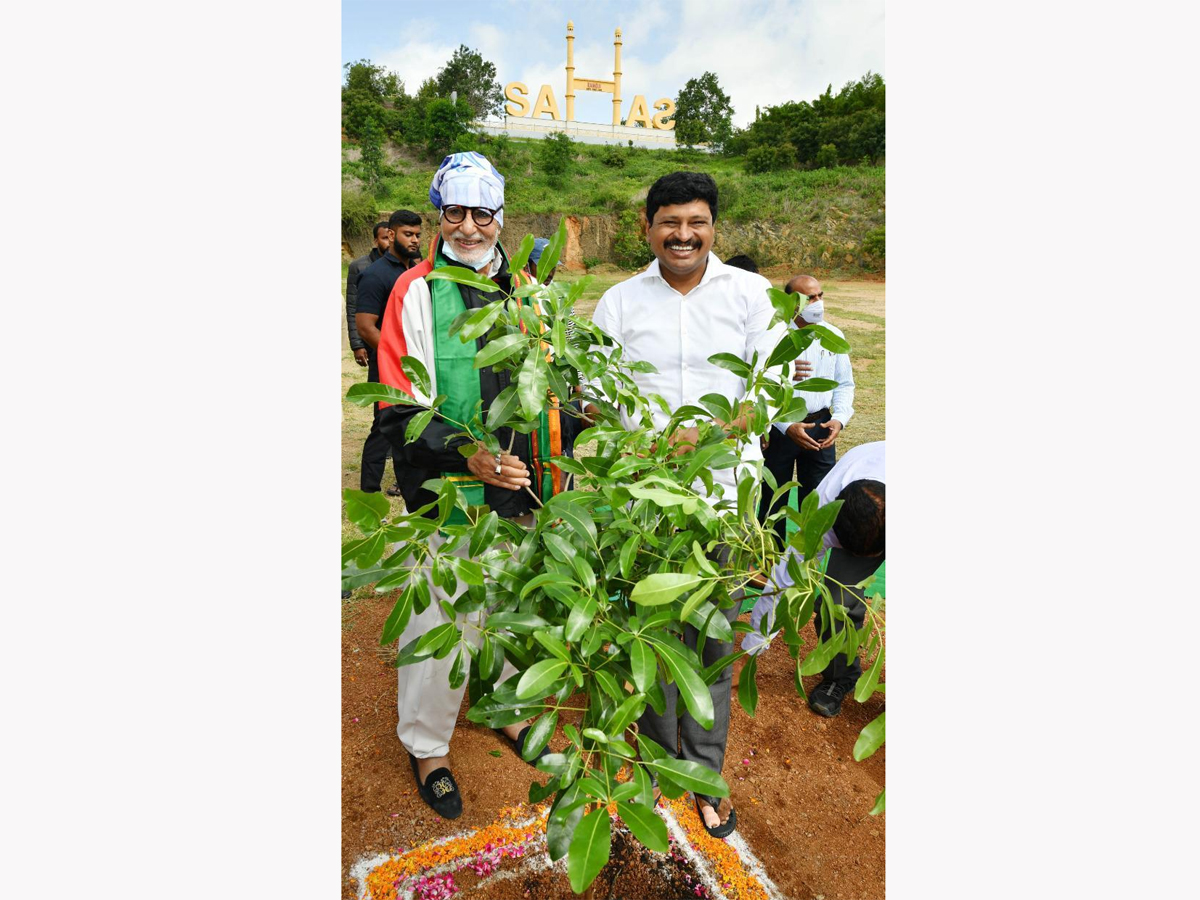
{"x": 721, "y": 830}
{"x": 441, "y": 791}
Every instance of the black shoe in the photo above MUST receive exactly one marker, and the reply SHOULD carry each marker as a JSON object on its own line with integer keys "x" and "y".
{"x": 826, "y": 699}
{"x": 519, "y": 746}
{"x": 394, "y": 491}
{"x": 346, "y": 595}
{"x": 440, "y": 791}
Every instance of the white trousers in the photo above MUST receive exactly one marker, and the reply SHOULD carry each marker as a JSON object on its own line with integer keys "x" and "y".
{"x": 427, "y": 705}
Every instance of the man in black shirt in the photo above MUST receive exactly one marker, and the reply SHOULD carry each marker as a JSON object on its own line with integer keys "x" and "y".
{"x": 374, "y": 286}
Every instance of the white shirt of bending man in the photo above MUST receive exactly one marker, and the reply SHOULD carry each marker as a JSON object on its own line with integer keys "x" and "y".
{"x": 866, "y": 461}
{"x": 727, "y": 312}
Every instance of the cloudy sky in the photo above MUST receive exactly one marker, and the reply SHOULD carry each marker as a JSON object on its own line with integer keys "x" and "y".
{"x": 763, "y": 51}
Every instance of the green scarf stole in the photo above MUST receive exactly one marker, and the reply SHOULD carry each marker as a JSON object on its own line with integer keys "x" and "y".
{"x": 458, "y": 379}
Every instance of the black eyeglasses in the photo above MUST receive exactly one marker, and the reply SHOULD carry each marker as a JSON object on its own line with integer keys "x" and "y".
{"x": 480, "y": 215}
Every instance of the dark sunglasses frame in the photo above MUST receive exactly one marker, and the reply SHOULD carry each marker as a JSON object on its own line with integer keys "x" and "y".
{"x": 477, "y": 212}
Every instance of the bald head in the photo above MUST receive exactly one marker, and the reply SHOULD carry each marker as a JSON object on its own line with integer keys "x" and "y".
{"x": 803, "y": 284}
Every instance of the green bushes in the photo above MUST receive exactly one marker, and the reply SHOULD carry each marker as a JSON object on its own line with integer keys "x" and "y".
{"x": 358, "y": 212}
{"x": 827, "y": 157}
{"x": 446, "y": 122}
{"x": 555, "y": 155}
{"x": 613, "y": 157}
{"x": 630, "y": 248}
{"x": 770, "y": 157}
{"x": 874, "y": 243}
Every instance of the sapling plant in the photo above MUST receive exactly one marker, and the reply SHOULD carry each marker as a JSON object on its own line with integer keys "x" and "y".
{"x": 589, "y": 602}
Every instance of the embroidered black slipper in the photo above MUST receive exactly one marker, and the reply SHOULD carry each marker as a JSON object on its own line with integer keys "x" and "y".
{"x": 440, "y": 791}
{"x": 719, "y": 831}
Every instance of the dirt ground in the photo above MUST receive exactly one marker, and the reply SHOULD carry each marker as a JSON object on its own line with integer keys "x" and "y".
{"x": 802, "y": 800}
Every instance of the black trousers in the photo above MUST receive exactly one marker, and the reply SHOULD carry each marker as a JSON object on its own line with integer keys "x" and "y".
{"x": 845, "y": 570}
{"x": 376, "y": 448}
{"x": 811, "y": 466}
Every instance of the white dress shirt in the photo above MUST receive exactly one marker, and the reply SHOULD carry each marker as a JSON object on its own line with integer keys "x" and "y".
{"x": 826, "y": 364}
{"x": 727, "y": 312}
{"x": 866, "y": 461}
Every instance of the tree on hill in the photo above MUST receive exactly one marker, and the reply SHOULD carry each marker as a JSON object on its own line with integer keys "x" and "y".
{"x": 475, "y": 80}
{"x": 372, "y": 81}
{"x": 371, "y": 92}
{"x": 703, "y": 113}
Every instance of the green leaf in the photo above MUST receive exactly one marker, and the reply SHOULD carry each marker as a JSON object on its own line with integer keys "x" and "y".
{"x": 589, "y": 850}
{"x": 580, "y": 619}
{"x": 553, "y": 644}
{"x": 414, "y": 370}
{"x": 398, "y": 620}
{"x": 365, "y": 510}
{"x": 502, "y": 408}
{"x": 734, "y": 364}
{"x": 817, "y": 660}
{"x": 661, "y": 496}
{"x": 815, "y": 385}
{"x": 696, "y": 599}
{"x": 875, "y": 585}
{"x": 459, "y": 275}
{"x": 692, "y": 776}
{"x": 496, "y": 753}
{"x": 870, "y": 738}
{"x": 564, "y": 818}
{"x": 865, "y": 686}
{"x": 642, "y": 665}
{"x": 369, "y": 392}
{"x": 521, "y": 257}
{"x": 816, "y": 526}
{"x": 783, "y": 303}
{"x": 626, "y": 714}
{"x": 828, "y": 339}
{"x": 532, "y": 382}
{"x": 662, "y": 587}
{"x": 549, "y": 258}
{"x": 692, "y": 688}
{"x": 879, "y": 802}
{"x": 747, "y": 688}
{"x": 539, "y": 734}
{"x": 628, "y": 553}
{"x": 500, "y": 349}
{"x": 480, "y": 322}
{"x": 566, "y": 507}
{"x": 417, "y": 424}
{"x": 645, "y": 824}
{"x": 459, "y": 669}
{"x": 718, "y": 406}
{"x": 521, "y": 623}
{"x": 539, "y": 677}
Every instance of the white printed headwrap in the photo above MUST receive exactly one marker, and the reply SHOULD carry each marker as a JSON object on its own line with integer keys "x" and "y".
{"x": 468, "y": 179}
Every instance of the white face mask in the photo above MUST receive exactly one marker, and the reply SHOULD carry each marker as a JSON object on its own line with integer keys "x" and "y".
{"x": 814, "y": 313}
{"x": 476, "y": 264}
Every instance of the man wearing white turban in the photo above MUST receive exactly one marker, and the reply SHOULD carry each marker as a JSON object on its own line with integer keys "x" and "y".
{"x": 469, "y": 194}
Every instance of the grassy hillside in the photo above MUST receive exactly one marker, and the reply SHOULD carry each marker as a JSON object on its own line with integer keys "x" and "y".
{"x": 596, "y": 188}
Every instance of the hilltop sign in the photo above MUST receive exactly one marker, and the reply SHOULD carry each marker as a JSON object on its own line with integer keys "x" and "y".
{"x": 517, "y": 94}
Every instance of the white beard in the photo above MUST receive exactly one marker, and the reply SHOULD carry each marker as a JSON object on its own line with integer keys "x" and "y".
{"x": 475, "y": 260}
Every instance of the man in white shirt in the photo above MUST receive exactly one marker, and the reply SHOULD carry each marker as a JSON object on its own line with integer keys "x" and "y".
{"x": 808, "y": 444}
{"x": 855, "y": 546}
{"x": 684, "y": 308}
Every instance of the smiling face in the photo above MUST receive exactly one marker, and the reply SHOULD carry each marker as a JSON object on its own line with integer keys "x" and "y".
{"x": 681, "y": 236}
{"x": 471, "y": 242}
